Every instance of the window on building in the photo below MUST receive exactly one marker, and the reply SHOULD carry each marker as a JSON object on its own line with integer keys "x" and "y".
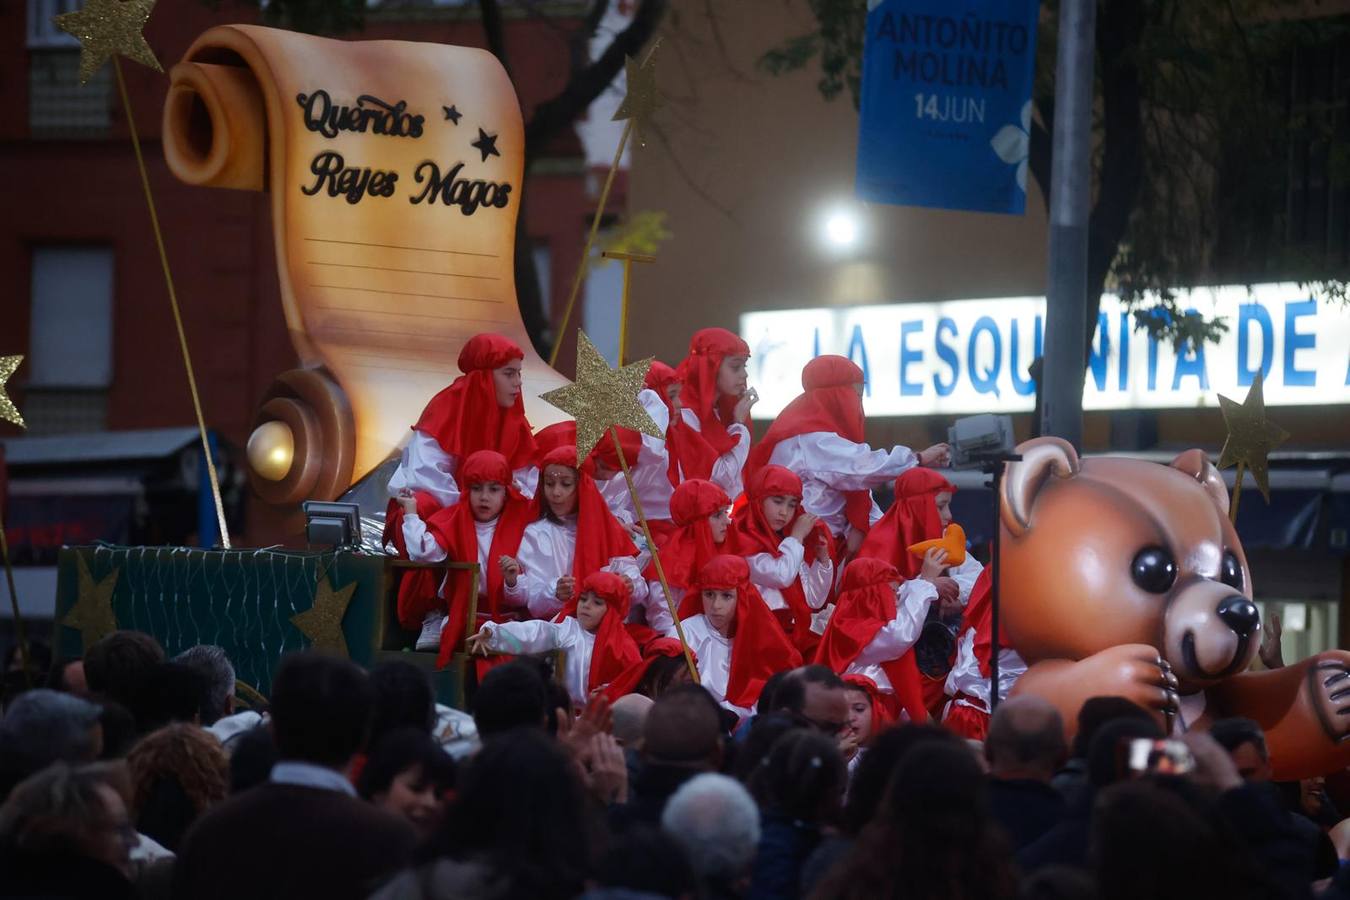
{"x": 70, "y": 347}
{"x": 58, "y": 105}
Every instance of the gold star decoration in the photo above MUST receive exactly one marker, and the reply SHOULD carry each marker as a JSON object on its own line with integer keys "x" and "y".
{"x": 322, "y": 622}
{"x": 92, "y": 615}
{"x": 107, "y": 27}
{"x": 1251, "y": 436}
{"x": 642, "y": 98}
{"x": 8, "y": 411}
{"x": 602, "y": 397}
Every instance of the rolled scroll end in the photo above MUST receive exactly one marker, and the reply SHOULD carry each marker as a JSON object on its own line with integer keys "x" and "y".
{"x": 215, "y": 126}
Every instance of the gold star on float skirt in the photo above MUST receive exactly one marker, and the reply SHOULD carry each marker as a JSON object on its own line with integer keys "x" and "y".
{"x": 642, "y": 98}
{"x": 1251, "y": 436}
{"x": 322, "y": 622}
{"x": 92, "y": 615}
{"x": 8, "y": 411}
{"x": 107, "y": 27}
{"x": 602, "y": 397}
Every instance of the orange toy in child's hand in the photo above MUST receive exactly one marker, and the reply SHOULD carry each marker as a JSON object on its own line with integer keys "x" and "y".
{"x": 953, "y": 540}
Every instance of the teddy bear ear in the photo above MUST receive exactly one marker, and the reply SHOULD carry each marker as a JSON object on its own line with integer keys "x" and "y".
{"x": 1197, "y": 465}
{"x": 1023, "y": 479}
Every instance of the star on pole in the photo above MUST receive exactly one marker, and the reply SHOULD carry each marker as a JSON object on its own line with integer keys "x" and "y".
{"x": 642, "y": 98}
{"x": 92, "y": 615}
{"x": 8, "y": 411}
{"x": 1251, "y": 436}
{"x": 108, "y": 27}
{"x": 322, "y": 622}
{"x": 602, "y": 397}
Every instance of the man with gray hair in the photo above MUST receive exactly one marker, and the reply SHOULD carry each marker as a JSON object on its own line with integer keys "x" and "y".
{"x": 42, "y": 727}
{"x": 715, "y": 820}
{"x": 216, "y": 668}
{"x": 1025, "y": 746}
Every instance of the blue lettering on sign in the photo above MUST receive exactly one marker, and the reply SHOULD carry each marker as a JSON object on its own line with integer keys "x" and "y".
{"x": 1247, "y": 314}
{"x": 985, "y": 382}
{"x": 1294, "y": 341}
{"x": 1191, "y": 361}
{"x": 855, "y": 342}
{"x": 1101, "y": 350}
{"x": 1124, "y": 374}
{"x": 909, "y": 356}
{"x": 1024, "y": 386}
{"x": 947, "y": 353}
{"x": 815, "y": 343}
{"x": 1152, "y": 363}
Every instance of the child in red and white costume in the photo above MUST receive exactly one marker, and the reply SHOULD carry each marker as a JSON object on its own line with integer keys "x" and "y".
{"x": 738, "y": 642}
{"x": 821, "y": 436}
{"x": 968, "y": 684}
{"x": 715, "y": 401}
{"x": 701, "y": 514}
{"x": 486, "y": 525}
{"x": 788, "y": 551}
{"x": 589, "y": 628}
{"x": 876, "y": 621}
{"x": 573, "y": 535}
{"x": 868, "y": 716}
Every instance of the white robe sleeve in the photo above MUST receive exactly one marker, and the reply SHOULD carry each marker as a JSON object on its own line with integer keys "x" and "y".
{"x": 779, "y": 571}
{"x": 426, "y": 467}
{"x": 965, "y": 576}
{"x": 517, "y": 638}
{"x": 899, "y": 634}
{"x": 848, "y": 466}
{"x": 422, "y": 544}
{"x": 537, "y": 584}
{"x": 627, "y": 566}
{"x": 726, "y": 472}
{"x": 817, "y": 579}
{"x": 658, "y": 614}
{"x": 527, "y": 479}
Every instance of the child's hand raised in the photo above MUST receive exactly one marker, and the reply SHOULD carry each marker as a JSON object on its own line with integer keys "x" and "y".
{"x": 802, "y": 527}
{"x": 934, "y": 561}
{"x": 567, "y": 586}
{"x": 408, "y": 502}
{"x": 510, "y": 570}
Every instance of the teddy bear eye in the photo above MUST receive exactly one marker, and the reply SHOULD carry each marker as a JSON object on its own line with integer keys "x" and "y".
{"x": 1153, "y": 570}
{"x": 1230, "y": 570}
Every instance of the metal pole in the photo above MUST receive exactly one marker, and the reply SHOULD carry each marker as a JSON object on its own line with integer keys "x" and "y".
{"x": 1070, "y": 195}
{"x": 994, "y": 562}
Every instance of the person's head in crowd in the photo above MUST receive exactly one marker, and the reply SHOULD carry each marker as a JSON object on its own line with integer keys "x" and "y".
{"x": 255, "y": 753}
{"x": 1246, "y": 744}
{"x": 170, "y": 692}
{"x": 17, "y": 679}
{"x": 1025, "y": 740}
{"x": 683, "y": 729}
{"x": 764, "y": 732}
{"x": 1098, "y": 711}
{"x": 556, "y": 692}
{"x": 321, "y": 709}
{"x": 214, "y": 665}
{"x": 520, "y": 807}
{"x": 878, "y": 765}
{"x": 933, "y": 833}
{"x": 67, "y": 676}
{"x": 663, "y": 672}
{"x": 510, "y": 696}
{"x": 43, "y": 726}
{"x": 177, "y": 774}
{"x": 403, "y": 699}
{"x": 1106, "y": 759}
{"x": 119, "y": 729}
{"x": 824, "y": 700}
{"x": 630, "y": 716}
{"x": 66, "y": 813}
{"x": 715, "y": 820}
{"x": 647, "y": 862}
{"x": 867, "y": 713}
{"x": 408, "y": 774}
{"x": 114, "y": 666}
{"x": 803, "y": 778}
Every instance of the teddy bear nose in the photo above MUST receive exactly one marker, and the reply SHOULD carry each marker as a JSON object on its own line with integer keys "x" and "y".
{"x": 1239, "y": 614}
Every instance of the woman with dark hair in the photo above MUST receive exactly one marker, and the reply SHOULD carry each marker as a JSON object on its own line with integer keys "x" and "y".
{"x": 519, "y": 820}
{"x": 409, "y": 775}
{"x": 177, "y": 774}
{"x": 799, "y": 787}
{"x": 931, "y": 839}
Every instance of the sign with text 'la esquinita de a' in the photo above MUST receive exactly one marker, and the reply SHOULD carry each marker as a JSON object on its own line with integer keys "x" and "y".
{"x": 946, "y": 103}
{"x": 971, "y": 356}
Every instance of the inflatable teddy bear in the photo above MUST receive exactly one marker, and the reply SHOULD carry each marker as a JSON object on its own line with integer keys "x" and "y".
{"x": 1125, "y": 577}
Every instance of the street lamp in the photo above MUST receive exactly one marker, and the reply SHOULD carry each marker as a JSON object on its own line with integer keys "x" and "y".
{"x": 841, "y": 228}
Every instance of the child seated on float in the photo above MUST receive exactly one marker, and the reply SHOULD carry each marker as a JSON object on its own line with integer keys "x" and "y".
{"x": 589, "y": 629}
{"x": 700, "y": 511}
{"x": 715, "y": 402}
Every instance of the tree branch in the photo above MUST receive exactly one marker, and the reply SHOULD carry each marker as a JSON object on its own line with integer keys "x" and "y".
{"x": 494, "y": 31}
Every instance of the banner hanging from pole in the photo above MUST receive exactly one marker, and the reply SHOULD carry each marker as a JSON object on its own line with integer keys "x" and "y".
{"x": 946, "y": 103}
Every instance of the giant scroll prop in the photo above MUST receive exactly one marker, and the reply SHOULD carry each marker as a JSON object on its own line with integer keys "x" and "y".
{"x": 395, "y": 171}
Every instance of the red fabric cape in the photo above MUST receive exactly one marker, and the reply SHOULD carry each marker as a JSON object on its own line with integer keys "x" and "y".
{"x": 882, "y": 717}
{"x": 627, "y": 682}
{"x": 453, "y": 528}
{"x": 551, "y": 437}
{"x": 828, "y": 402}
{"x": 912, "y": 518}
{"x": 755, "y": 536}
{"x": 465, "y": 417}
{"x": 865, "y": 604}
{"x": 689, "y": 453}
{"x": 979, "y": 615}
{"x": 759, "y": 648}
{"x": 600, "y": 536}
{"x": 614, "y": 652}
{"x": 698, "y": 372}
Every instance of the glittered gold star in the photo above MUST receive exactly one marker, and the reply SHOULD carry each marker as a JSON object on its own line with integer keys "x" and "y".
{"x": 602, "y": 397}
{"x": 8, "y": 411}
{"x": 642, "y": 98}
{"x": 322, "y": 622}
{"x": 92, "y": 615}
{"x": 1251, "y": 436}
{"x": 106, "y": 27}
